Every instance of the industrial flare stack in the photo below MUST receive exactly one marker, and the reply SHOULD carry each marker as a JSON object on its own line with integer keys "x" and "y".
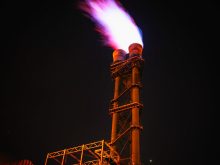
{"x": 125, "y": 111}
{"x": 124, "y": 145}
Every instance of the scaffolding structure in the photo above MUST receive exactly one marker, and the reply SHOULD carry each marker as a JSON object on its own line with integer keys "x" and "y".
{"x": 96, "y": 153}
{"x": 125, "y": 109}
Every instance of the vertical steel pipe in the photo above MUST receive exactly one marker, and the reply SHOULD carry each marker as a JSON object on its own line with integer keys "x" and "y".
{"x": 102, "y": 151}
{"x": 115, "y": 115}
{"x": 81, "y": 157}
{"x": 135, "y": 49}
{"x": 118, "y": 55}
{"x": 63, "y": 159}
{"x": 135, "y": 123}
{"x": 46, "y": 160}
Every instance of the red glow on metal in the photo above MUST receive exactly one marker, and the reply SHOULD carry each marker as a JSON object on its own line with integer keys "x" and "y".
{"x": 112, "y": 21}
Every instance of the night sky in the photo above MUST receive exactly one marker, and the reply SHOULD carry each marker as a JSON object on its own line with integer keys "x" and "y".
{"x": 56, "y": 85}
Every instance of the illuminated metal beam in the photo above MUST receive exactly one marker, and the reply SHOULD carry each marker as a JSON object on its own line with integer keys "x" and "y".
{"x": 98, "y": 150}
{"x": 126, "y": 107}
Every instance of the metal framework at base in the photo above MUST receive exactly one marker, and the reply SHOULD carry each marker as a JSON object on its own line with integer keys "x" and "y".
{"x": 96, "y": 153}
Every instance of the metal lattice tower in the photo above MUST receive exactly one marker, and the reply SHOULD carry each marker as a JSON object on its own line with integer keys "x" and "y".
{"x": 124, "y": 146}
{"x": 125, "y": 106}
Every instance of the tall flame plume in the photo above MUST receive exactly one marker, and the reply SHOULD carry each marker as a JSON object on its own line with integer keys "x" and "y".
{"x": 115, "y": 25}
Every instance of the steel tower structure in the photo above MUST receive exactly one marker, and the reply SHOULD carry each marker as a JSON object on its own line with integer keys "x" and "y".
{"x": 125, "y": 106}
{"x": 124, "y": 145}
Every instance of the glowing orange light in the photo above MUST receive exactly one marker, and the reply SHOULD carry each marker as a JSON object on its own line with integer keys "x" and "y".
{"x": 113, "y": 22}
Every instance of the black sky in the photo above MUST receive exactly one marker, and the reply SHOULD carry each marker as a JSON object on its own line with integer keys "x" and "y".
{"x": 56, "y": 84}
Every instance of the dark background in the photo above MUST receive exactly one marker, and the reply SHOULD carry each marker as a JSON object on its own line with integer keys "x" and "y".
{"x": 56, "y": 85}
